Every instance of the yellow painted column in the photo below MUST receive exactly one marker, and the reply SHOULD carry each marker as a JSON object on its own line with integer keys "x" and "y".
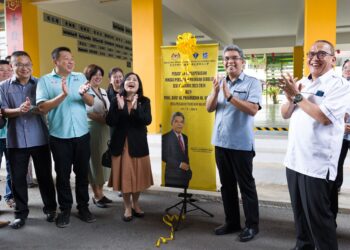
{"x": 298, "y": 59}
{"x": 146, "y": 41}
{"x": 320, "y": 24}
{"x": 30, "y": 34}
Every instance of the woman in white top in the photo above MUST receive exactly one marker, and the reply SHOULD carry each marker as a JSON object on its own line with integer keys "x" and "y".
{"x": 99, "y": 133}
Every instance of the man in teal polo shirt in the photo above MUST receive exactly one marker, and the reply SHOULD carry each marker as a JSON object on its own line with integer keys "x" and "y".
{"x": 64, "y": 93}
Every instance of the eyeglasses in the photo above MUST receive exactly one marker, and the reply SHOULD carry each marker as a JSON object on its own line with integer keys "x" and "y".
{"x": 320, "y": 54}
{"x": 233, "y": 58}
{"x": 20, "y": 65}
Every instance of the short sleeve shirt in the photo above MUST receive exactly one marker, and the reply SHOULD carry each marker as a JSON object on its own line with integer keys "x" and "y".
{"x": 27, "y": 130}
{"x": 100, "y": 106}
{"x": 69, "y": 118}
{"x": 234, "y": 129}
{"x": 314, "y": 148}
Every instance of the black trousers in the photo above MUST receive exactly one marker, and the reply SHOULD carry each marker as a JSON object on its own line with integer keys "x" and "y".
{"x": 236, "y": 167}
{"x": 19, "y": 159}
{"x": 339, "y": 180}
{"x": 343, "y": 153}
{"x": 314, "y": 220}
{"x": 68, "y": 152}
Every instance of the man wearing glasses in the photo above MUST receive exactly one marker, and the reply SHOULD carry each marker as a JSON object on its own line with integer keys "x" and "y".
{"x": 235, "y": 99}
{"x": 27, "y": 136}
{"x": 316, "y": 106}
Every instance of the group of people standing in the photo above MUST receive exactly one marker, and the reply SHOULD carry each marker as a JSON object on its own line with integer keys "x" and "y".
{"x": 79, "y": 112}
{"x": 66, "y": 114}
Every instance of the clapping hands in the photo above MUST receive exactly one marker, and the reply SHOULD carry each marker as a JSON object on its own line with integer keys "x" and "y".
{"x": 290, "y": 86}
{"x": 25, "y": 106}
{"x": 134, "y": 101}
{"x": 120, "y": 101}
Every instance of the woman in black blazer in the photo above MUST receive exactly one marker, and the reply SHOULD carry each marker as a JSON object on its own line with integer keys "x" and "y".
{"x": 129, "y": 114}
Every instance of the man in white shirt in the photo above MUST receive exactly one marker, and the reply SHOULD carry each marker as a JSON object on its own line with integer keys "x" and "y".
{"x": 316, "y": 106}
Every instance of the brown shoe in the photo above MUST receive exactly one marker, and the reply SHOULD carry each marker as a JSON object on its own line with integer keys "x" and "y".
{"x": 4, "y": 223}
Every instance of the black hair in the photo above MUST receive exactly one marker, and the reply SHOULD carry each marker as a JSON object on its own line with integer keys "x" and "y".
{"x": 115, "y": 70}
{"x": 345, "y": 62}
{"x": 92, "y": 70}
{"x": 176, "y": 114}
{"x": 139, "y": 91}
{"x": 2, "y": 62}
{"x": 55, "y": 54}
{"x": 17, "y": 54}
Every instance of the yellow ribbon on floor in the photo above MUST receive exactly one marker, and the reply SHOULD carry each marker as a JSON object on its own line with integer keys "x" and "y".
{"x": 169, "y": 220}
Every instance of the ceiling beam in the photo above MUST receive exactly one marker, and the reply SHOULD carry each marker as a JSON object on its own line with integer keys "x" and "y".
{"x": 194, "y": 14}
{"x": 265, "y": 42}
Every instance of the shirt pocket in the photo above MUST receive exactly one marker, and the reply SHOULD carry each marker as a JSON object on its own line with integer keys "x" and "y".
{"x": 240, "y": 94}
{"x": 316, "y": 99}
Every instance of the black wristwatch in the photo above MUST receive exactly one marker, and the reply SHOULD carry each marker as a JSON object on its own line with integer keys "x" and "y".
{"x": 229, "y": 98}
{"x": 297, "y": 98}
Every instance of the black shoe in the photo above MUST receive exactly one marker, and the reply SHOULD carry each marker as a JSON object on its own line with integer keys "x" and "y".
{"x": 106, "y": 200}
{"x": 86, "y": 215}
{"x": 248, "y": 234}
{"x": 99, "y": 203}
{"x": 226, "y": 229}
{"x": 51, "y": 216}
{"x": 136, "y": 214}
{"x": 18, "y": 223}
{"x": 62, "y": 219}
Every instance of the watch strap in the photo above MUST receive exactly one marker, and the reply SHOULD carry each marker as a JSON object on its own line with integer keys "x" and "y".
{"x": 297, "y": 98}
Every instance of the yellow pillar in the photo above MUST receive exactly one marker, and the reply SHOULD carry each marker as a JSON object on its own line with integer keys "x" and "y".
{"x": 320, "y": 24}
{"x": 31, "y": 34}
{"x": 298, "y": 57}
{"x": 146, "y": 42}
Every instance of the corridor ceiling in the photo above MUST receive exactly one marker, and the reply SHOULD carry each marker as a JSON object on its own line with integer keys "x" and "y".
{"x": 250, "y": 23}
